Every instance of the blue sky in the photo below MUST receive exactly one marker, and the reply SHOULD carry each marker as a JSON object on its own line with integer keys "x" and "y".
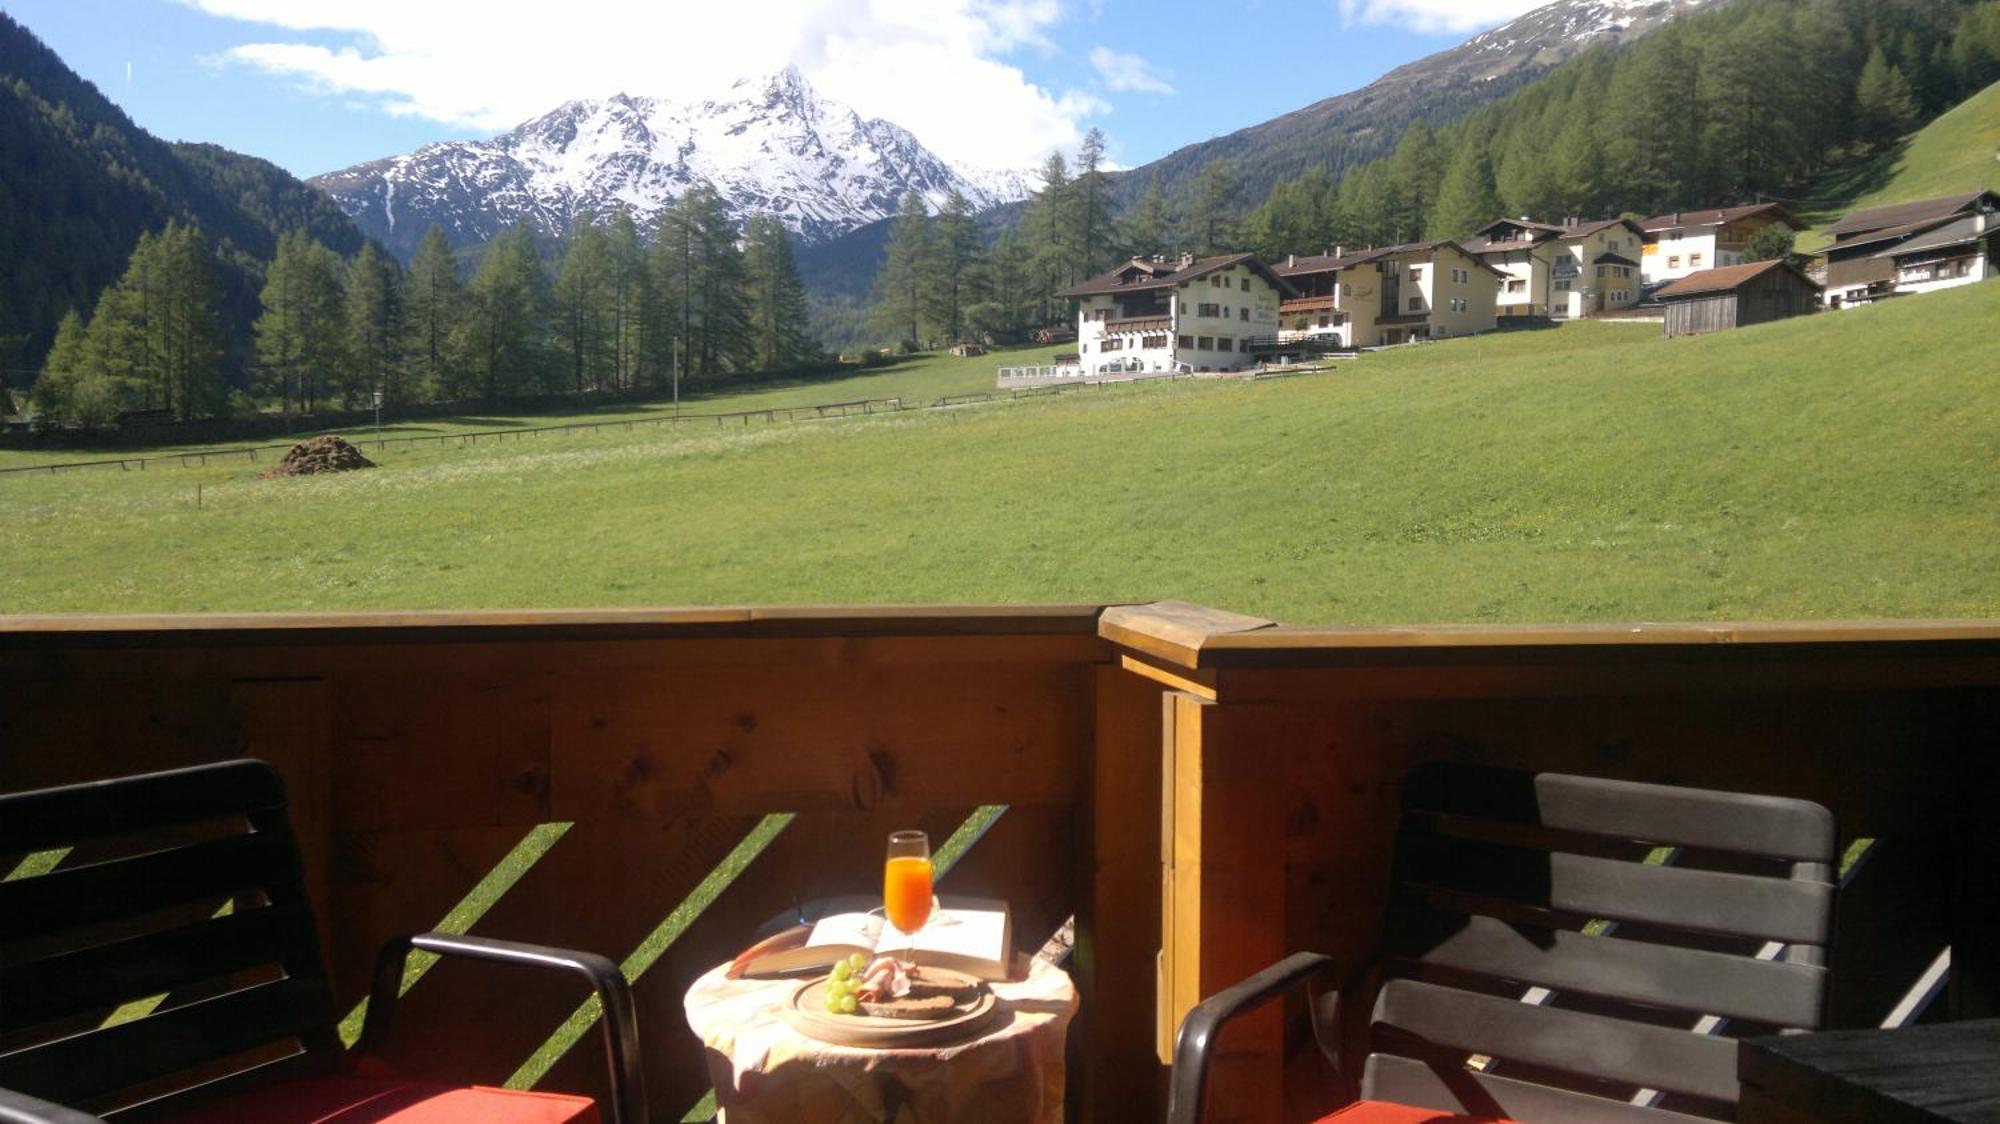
{"x": 316, "y": 85}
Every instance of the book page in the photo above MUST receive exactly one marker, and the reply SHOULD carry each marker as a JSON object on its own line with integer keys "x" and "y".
{"x": 848, "y": 930}
{"x": 968, "y": 927}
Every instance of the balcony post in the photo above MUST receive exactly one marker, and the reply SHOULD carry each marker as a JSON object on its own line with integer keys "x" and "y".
{"x": 1223, "y": 886}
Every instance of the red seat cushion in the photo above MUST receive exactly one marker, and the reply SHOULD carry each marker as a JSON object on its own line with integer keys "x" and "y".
{"x": 373, "y": 1100}
{"x": 1382, "y": 1112}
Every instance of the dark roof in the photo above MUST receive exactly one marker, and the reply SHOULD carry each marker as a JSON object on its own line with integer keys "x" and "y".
{"x": 1891, "y": 234}
{"x": 1723, "y": 216}
{"x": 1481, "y": 243}
{"x": 1725, "y": 279}
{"x": 1324, "y": 263}
{"x": 1140, "y": 275}
{"x": 1586, "y": 229}
{"x": 1958, "y": 232}
{"x": 1609, "y": 258}
{"x": 1525, "y": 224}
{"x": 1904, "y": 214}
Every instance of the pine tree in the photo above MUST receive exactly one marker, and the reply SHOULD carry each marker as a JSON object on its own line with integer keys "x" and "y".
{"x": 1414, "y": 172}
{"x": 505, "y": 330}
{"x": 1095, "y": 221}
{"x": 954, "y": 252}
{"x": 1652, "y": 126}
{"x": 71, "y": 390}
{"x": 1048, "y": 229}
{"x": 1211, "y": 219}
{"x": 1148, "y": 228}
{"x": 899, "y": 287}
{"x": 1974, "y": 51}
{"x": 374, "y": 331}
{"x": 301, "y": 334}
{"x": 1468, "y": 199}
{"x": 434, "y": 306}
{"x": 723, "y": 342}
{"x": 628, "y": 281}
{"x": 777, "y": 300}
{"x": 1007, "y": 300}
{"x": 1883, "y": 101}
{"x": 1366, "y": 205}
{"x": 583, "y": 306}
{"x": 188, "y": 335}
{"x": 1297, "y": 218}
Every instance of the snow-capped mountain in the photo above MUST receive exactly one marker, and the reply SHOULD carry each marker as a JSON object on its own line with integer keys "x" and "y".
{"x": 1554, "y": 32}
{"x": 768, "y": 146}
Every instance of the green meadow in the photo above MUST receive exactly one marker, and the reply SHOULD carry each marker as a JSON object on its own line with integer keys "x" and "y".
{"x": 1838, "y": 466}
{"x": 918, "y": 379}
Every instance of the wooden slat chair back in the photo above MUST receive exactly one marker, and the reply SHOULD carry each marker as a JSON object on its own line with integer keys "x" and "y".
{"x": 173, "y": 943}
{"x": 1565, "y": 948}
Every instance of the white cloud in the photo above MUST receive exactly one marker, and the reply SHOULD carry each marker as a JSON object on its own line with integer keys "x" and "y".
{"x": 1126, "y": 73}
{"x": 1455, "y": 16}
{"x": 937, "y": 67}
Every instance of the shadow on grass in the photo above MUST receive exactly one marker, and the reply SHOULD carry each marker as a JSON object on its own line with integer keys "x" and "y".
{"x": 1860, "y": 176}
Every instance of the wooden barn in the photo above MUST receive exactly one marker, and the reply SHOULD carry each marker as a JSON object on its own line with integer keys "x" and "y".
{"x": 1737, "y": 296}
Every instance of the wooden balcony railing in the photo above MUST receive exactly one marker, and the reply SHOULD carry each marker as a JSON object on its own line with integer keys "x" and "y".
{"x": 1201, "y": 791}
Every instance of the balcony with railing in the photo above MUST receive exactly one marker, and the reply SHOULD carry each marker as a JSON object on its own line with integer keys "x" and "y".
{"x": 1199, "y": 792}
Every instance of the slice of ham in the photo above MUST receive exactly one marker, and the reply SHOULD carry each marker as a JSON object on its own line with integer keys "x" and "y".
{"x": 883, "y": 980}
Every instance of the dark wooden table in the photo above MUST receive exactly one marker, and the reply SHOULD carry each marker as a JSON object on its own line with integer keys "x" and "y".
{"x": 1948, "y": 1071}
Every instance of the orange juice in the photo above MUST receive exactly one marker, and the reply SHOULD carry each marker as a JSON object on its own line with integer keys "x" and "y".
{"x": 906, "y": 892}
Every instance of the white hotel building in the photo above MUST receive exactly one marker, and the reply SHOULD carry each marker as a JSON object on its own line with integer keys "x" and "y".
{"x": 1156, "y": 316}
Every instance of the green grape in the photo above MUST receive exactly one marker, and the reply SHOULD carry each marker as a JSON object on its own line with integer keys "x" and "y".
{"x": 848, "y": 1005}
{"x": 842, "y": 971}
{"x": 855, "y": 962}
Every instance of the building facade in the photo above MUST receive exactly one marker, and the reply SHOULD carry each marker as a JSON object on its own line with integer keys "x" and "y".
{"x": 1688, "y": 242}
{"x": 1564, "y": 272}
{"x": 1888, "y": 251}
{"x": 1154, "y": 316}
{"x": 1391, "y": 295}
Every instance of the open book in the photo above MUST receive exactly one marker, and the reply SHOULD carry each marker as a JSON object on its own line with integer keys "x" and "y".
{"x": 970, "y": 935}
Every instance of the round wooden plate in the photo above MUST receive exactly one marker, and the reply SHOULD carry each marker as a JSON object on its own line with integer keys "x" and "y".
{"x": 805, "y": 1009}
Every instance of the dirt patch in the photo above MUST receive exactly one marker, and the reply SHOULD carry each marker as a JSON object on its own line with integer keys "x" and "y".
{"x": 318, "y": 454}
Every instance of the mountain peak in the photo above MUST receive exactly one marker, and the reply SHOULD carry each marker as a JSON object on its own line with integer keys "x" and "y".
{"x": 769, "y": 145}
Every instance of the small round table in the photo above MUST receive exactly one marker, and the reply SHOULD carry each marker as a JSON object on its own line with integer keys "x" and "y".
{"x": 765, "y": 1070}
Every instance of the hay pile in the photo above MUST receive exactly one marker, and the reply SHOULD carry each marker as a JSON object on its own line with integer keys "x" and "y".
{"x": 316, "y": 455}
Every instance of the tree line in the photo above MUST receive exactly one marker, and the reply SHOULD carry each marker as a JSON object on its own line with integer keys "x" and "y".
{"x": 941, "y": 282}
{"x": 1748, "y": 101}
{"x": 617, "y": 311}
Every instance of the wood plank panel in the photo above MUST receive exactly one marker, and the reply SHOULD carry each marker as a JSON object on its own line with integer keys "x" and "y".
{"x": 288, "y": 723}
{"x": 70, "y": 729}
{"x": 601, "y": 888}
{"x": 751, "y": 740}
{"x": 273, "y": 655}
{"x": 393, "y": 883}
{"x": 1228, "y": 887}
{"x": 441, "y": 750}
{"x": 1119, "y": 912}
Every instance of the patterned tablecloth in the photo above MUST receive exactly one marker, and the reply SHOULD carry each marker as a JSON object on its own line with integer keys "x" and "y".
{"x": 764, "y": 1070}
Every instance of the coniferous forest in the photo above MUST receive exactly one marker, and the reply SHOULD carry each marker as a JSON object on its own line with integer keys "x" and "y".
{"x": 617, "y": 311}
{"x": 1749, "y": 101}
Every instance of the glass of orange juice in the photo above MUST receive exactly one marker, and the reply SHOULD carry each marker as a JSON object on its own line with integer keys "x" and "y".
{"x": 906, "y": 882}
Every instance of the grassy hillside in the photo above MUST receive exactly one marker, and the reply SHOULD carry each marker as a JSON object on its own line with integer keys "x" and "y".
{"x": 1957, "y": 153}
{"x": 916, "y": 379}
{"x": 1596, "y": 472}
